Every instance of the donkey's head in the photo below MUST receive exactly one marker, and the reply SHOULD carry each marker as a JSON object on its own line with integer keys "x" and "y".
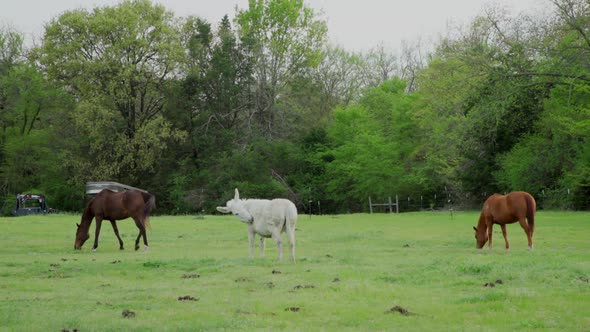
{"x": 236, "y": 207}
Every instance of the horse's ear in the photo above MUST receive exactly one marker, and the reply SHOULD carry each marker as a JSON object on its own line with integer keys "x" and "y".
{"x": 237, "y": 195}
{"x": 475, "y": 229}
{"x": 78, "y": 225}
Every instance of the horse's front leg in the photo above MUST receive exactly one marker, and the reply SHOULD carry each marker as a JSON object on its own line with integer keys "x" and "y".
{"x": 251, "y": 235}
{"x": 490, "y": 232}
{"x": 97, "y": 232}
{"x": 116, "y": 230}
{"x": 505, "y": 235}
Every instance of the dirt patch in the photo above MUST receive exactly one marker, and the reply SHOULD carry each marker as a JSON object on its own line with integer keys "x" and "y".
{"x": 401, "y": 310}
{"x": 583, "y": 279}
{"x": 336, "y": 279}
{"x": 493, "y": 283}
{"x": 105, "y": 304}
{"x": 270, "y": 284}
{"x": 190, "y": 276}
{"x": 303, "y": 286}
{"x": 242, "y": 279}
{"x": 329, "y": 256}
{"x": 406, "y": 245}
{"x": 66, "y": 330}
{"x": 128, "y": 313}
{"x": 187, "y": 298}
{"x": 116, "y": 262}
{"x": 276, "y": 272}
{"x": 293, "y": 309}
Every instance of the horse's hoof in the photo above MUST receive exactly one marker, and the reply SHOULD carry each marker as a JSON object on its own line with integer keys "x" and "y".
{"x": 145, "y": 248}
{"x": 93, "y": 249}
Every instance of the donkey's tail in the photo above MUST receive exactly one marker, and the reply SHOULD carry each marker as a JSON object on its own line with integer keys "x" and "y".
{"x": 149, "y": 205}
{"x": 531, "y": 207}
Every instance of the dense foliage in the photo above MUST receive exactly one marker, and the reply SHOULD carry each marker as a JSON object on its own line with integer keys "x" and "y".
{"x": 190, "y": 110}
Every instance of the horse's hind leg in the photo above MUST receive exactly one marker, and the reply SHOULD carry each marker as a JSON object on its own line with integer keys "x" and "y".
{"x": 116, "y": 230}
{"x": 505, "y": 235}
{"x": 528, "y": 231}
{"x": 141, "y": 233}
{"x": 97, "y": 232}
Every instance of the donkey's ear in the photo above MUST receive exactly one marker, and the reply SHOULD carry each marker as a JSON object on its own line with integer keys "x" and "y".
{"x": 475, "y": 229}
{"x": 237, "y": 195}
{"x": 223, "y": 209}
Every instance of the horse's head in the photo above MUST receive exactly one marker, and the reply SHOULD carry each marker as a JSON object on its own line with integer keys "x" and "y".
{"x": 481, "y": 237}
{"x": 81, "y": 237}
{"x": 236, "y": 207}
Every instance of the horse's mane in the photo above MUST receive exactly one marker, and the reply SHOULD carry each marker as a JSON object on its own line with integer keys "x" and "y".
{"x": 87, "y": 216}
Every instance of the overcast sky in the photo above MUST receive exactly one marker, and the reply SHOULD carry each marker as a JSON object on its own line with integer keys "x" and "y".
{"x": 354, "y": 24}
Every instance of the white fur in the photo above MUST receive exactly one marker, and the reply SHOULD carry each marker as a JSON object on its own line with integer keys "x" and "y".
{"x": 267, "y": 218}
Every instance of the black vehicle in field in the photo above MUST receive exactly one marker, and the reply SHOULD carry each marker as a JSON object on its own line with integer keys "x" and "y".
{"x": 30, "y": 204}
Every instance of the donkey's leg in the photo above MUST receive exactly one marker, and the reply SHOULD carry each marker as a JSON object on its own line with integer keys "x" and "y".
{"x": 276, "y": 235}
{"x": 97, "y": 232}
{"x": 505, "y": 235}
{"x": 262, "y": 238}
{"x": 116, "y": 230}
{"x": 251, "y": 236}
{"x": 528, "y": 231}
{"x": 291, "y": 235}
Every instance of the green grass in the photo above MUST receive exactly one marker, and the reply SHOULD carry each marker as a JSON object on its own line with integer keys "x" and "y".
{"x": 351, "y": 270}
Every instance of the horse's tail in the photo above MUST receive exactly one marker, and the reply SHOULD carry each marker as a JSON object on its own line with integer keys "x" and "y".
{"x": 531, "y": 207}
{"x": 150, "y": 203}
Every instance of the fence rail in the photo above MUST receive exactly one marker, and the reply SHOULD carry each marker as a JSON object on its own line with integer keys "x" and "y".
{"x": 389, "y": 205}
{"x": 554, "y": 200}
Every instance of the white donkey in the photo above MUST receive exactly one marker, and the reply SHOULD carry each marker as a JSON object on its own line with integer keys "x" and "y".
{"x": 267, "y": 218}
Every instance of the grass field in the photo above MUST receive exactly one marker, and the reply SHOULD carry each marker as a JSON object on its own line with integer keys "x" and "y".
{"x": 381, "y": 272}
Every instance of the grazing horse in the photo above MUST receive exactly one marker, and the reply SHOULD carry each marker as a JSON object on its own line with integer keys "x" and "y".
{"x": 267, "y": 218}
{"x": 506, "y": 209}
{"x": 113, "y": 206}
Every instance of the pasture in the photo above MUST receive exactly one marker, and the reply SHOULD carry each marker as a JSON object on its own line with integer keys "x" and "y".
{"x": 406, "y": 272}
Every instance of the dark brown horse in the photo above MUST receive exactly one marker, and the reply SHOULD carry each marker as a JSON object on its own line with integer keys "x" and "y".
{"x": 506, "y": 209}
{"x": 114, "y": 206}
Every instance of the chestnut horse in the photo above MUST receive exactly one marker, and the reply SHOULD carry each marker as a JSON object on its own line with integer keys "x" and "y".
{"x": 506, "y": 209}
{"x": 113, "y": 206}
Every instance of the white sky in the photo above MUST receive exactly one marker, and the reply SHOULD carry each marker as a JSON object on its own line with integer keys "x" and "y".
{"x": 355, "y": 25}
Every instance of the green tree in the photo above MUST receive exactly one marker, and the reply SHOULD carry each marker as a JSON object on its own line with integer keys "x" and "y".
{"x": 374, "y": 145}
{"x": 30, "y": 113}
{"x": 117, "y": 61}
{"x": 285, "y": 39}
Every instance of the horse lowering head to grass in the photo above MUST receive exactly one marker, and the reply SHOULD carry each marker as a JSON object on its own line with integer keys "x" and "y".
{"x": 113, "y": 206}
{"x": 267, "y": 218}
{"x": 506, "y": 209}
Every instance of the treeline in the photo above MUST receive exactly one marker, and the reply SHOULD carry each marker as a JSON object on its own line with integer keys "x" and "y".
{"x": 190, "y": 110}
